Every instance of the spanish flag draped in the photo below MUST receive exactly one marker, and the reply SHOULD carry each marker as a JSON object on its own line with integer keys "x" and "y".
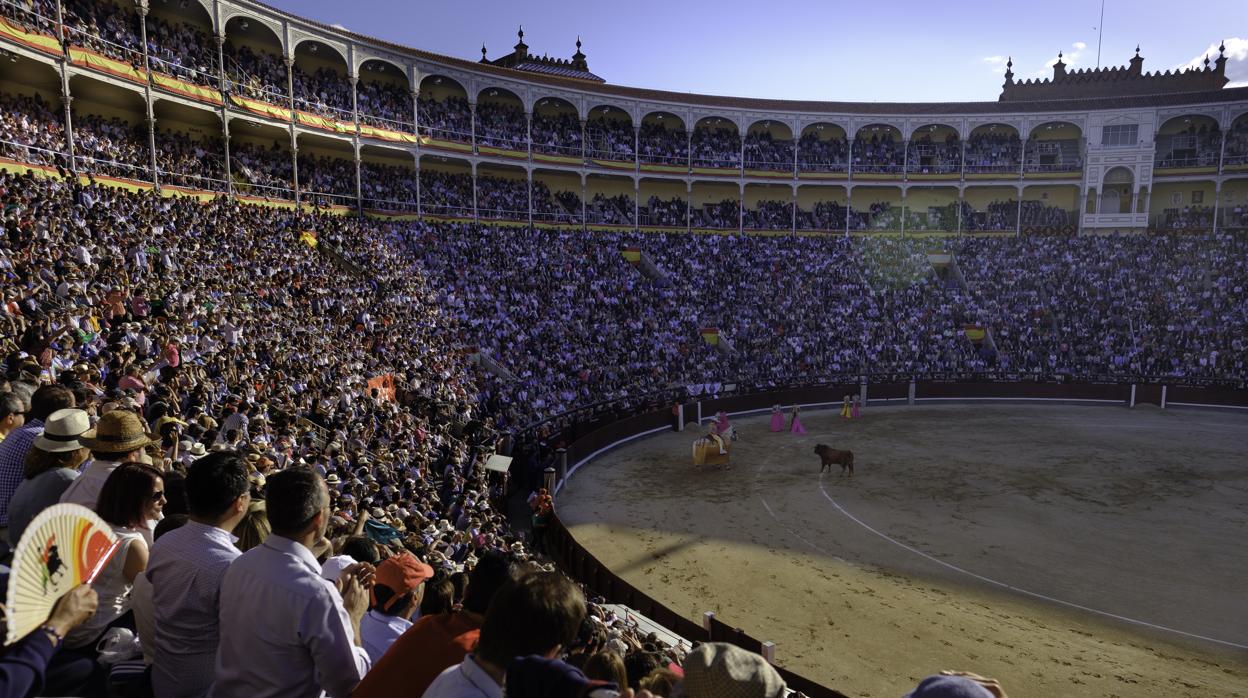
{"x": 186, "y": 89}
{"x": 19, "y": 34}
{"x": 323, "y": 122}
{"x": 262, "y": 108}
{"x": 104, "y": 64}
{"x": 385, "y": 134}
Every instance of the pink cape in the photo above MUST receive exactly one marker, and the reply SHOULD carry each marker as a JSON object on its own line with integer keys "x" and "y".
{"x": 797, "y": 427}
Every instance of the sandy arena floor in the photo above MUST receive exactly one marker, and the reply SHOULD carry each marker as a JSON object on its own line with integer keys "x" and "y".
{"x": 1067, "y": 551}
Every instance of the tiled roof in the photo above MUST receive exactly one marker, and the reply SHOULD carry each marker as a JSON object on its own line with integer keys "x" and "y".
{"x": 561, "y": 71}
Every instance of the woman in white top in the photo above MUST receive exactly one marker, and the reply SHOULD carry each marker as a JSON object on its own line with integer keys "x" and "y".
{"x": 132, "y": 495}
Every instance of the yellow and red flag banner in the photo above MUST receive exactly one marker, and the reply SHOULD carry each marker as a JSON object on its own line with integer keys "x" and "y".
{"x": 323, "y": 122}
{"x": 262, "y": 108}
{"x": 385, "y": 134}
{"x": 19, "y": 34}
{"x": 104, "y": 64}
{"x": 186, "y": 89}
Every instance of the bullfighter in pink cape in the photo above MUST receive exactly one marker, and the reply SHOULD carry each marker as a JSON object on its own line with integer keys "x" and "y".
{"x": 795, "y": 423}
{"x": 777, "y": 418}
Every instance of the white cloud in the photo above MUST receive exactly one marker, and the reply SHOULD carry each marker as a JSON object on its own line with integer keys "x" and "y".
{"x": 1236, "y": 60}
{"x": 1070, "y": 57}
{"x": 995, "y": 64}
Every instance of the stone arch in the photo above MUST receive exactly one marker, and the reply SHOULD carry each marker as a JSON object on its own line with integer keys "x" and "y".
{"x": 823, "y": 147}
{"x": 716, "y": 143}
{"x": 315, "y": 45}
{"x": 185, "y": 12}
{"x": 556, "y": 128}
{"x": 1117, "y": 189}
{"x": 879, "y": 130}
{"x": 380, "y": 64}
{"x": 438, "y": 82}
{"x": 670, "y": 120}
{"x": 1055, "y": 130}
{"x": 934, "y": 128}
{"x": 248, "y": 23}
{"x": 1188, "y": 140}
{"x": 777, "y": 129}
{"x": 609, "y": 111}
{"x": 500, "y": 94}
{"x": 1183, "y": 122}
{"x": 981, "y": 127}
{"x": 609, "y": 133}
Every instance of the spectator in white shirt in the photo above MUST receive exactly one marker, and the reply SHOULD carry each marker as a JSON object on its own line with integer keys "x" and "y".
{"x": 540, "y": 614}
{"x": 285, "y": 631}
{"x": 185, "y": 571}
{"x": 397, "y": 593}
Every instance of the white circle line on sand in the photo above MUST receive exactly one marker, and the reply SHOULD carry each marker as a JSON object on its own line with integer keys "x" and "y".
{"x": 795, "y": 534}
{"x": 1011, "y": 587}
{"x": 757, "y": 474}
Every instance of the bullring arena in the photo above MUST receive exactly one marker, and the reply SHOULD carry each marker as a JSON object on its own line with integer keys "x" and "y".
{"x": 395, "y": 290}
{"x": 1080, "y": 550}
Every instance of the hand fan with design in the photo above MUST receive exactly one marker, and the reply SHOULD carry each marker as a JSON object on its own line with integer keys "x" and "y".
{"x": 66, "y": 545}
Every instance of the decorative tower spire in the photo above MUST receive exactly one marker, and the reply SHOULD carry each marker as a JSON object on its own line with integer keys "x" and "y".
{"x": 1220, "y": 64}
{"x": 1009, "y": 71}
{"x": 578, "y": 58}
{"x": 1059, "y": 68}
{"x": 1137, "y": 63}
{"x": 483, "y": 58}
{"x": 522, "y": 49}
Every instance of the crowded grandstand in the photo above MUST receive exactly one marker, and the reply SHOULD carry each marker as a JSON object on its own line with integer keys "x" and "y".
{"x": 272, "y": 306}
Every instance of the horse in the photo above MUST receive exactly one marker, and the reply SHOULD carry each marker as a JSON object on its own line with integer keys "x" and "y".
{"x": 829, "y": 456}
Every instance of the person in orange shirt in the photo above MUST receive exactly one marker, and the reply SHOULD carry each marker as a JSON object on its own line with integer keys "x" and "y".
{"x": 434, "y": 643}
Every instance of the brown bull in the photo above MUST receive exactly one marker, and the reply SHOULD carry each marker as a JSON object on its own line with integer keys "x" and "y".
{"x": 829, "y": 456}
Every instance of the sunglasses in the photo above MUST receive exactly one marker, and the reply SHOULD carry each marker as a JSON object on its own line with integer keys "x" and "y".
{"x": 158, "y": 495}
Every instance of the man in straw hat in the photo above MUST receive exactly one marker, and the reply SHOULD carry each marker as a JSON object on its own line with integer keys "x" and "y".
{"x": 117, "y": 438}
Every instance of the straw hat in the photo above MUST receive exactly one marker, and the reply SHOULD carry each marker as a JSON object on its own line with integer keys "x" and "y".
{"x": 118, "y": 431}
{"x": 61, "y": 431}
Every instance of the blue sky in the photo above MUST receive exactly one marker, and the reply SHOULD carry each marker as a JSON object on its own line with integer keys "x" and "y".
{"x": 914, "y": 51}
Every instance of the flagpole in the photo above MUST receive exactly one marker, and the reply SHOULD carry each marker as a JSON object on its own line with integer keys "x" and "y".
{"x": 1100, "y": 29}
